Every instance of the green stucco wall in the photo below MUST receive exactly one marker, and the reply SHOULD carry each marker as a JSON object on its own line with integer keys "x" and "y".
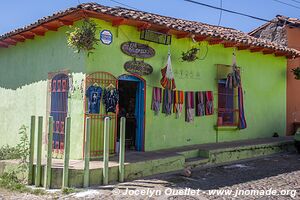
{"x": 24, "y": 68}
{"x": 263, "y": 79}
{"x": 24, "y": 71}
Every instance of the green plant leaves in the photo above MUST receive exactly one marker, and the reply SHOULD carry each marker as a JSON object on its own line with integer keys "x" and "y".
{"x": 190, "y": 55}
{"x": 83, "y": 38}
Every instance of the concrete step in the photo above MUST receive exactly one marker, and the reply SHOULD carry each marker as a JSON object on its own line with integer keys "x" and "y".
{"x": 196, "y": 162}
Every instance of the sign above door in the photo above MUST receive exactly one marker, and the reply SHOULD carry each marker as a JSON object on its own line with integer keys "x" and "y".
{"x": 138, "y": 67}
{"x": 137, "y": 50}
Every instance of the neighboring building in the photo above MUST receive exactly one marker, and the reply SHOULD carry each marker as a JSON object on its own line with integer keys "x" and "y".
{"x": 285, "y": 31}
{"x": 40, "y": 75}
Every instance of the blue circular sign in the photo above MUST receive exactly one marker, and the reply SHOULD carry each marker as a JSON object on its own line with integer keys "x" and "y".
{"x": 106, "y": 37}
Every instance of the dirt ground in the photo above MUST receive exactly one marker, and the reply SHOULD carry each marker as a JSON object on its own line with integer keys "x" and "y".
{"x": 273, "y": 177}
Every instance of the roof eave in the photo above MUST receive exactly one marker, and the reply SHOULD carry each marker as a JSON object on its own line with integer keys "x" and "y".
{"x": 71, "y": 15}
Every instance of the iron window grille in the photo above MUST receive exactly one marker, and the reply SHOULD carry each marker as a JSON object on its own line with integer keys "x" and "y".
{"x": 157, "y": 37}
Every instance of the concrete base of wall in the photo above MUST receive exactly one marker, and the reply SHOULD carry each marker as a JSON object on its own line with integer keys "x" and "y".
{"x": 142, "y": 164}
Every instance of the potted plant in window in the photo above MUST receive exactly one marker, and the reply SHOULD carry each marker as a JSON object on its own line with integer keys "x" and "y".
{"x": 296, "y": 72}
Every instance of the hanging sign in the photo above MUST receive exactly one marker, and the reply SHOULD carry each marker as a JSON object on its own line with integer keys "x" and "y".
{"x": 137, "y": 50}
{"x": 138, "y": 67}
{"x": 106, "y": 37}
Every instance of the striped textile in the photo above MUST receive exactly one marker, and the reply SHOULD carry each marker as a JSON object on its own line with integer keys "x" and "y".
{"x": 189, "y": 106}
{"x": 178, "y": 102}
{"x": 167, "y": 81}
{"x": 200, "y": 103}
{"x": 156, "y": 99}
{"x": 242, "y": 120}
{"x": 209, "y": 106}
{"x": 167, "y": 101}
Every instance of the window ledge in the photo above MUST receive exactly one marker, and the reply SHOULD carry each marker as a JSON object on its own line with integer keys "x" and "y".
{"x": 226, "y": 128}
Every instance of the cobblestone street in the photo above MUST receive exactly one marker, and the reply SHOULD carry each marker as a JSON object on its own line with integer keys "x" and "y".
{"x": 278, "y": 173}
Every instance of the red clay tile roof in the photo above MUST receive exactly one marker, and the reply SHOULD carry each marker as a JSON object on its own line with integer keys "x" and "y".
{"x": 293, "y": 22}
{"x": 228, "y": 35}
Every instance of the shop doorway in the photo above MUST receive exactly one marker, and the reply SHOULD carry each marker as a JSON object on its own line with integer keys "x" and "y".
{"x": 132, "y": 106}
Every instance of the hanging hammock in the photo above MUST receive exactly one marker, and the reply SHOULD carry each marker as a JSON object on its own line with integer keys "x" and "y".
{"x": 167, "y": 81}
{"x": 233, "y": 79}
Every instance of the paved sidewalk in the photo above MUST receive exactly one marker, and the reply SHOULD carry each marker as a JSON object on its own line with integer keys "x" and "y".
{"x": 277, "y": 172}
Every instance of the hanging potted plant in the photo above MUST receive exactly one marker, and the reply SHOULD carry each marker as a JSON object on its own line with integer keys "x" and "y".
{"x": 83, "y": 38}
{"x": 296, "y": 72}
{"x": 190, "y": 55}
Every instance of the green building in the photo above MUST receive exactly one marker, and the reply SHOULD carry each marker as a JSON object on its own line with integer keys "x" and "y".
{"x": 41, "y": 75}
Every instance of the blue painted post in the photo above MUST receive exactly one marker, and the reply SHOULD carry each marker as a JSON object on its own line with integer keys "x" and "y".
{"x": 122, "y": 149}
{"x": 106, "y": 150}
{"x": 49, "y": 154}
{"x": 66, "y": 153}
{"x": 86, "y": 175}
{"x": 39, "y": 153}
{"x": 31, "y": 151}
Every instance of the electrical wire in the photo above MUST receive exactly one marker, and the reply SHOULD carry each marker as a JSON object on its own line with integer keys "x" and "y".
{"x": 221, "y": 12}
{"x": 288, "y": 4}
{"x": 123, "y": 4}
{"x": 229, "y": 11}
{"x": 295, "y": 1}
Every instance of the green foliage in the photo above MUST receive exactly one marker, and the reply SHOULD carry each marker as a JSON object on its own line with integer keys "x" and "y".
{"x": 83, "y": 38}
{"x": 8, "y": 153}
{"x": 190, "y": 55}
{"x": 37, "y": 191}
{"x": 296, "y": 72}
{"x": 68, "y": 190}
{"x": 23, "y": 149}
{"x": 10, "y": 179}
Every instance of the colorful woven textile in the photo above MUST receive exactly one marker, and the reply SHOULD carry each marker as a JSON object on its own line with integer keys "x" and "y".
{"x": 167, "y": 81}
{"x": 156, "y": 99}
{"x": 167, "y": 101}
{"x": 233, "y": 79}
{"x": 209, "y": 106}
{"x": 178, "y": 102}
{"x": 189, "y": 106}
{"x": 200, "y": 103}
{"x": 242, "y": 120}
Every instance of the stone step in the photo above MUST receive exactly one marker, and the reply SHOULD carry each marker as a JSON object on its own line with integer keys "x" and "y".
{"x": 196, "y": 162}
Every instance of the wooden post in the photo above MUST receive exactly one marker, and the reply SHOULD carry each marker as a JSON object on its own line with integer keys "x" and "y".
{"x": 86, "y": 175}
{"x": 106, "y": 150}
{"x": 39, "y": 153}
{"x": 66, "y": 153}
{"x": 31, "y": 151}
{"x": 49, "y": 154}
{"x": 122, "y": 149}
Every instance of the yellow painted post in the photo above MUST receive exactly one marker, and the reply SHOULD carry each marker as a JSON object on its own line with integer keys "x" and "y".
{"x": 86, "y": 175}
{"x": 31, "y": 151}
{"x": 106, "y": 150}
{"x": 122, "y": 149}
{"x": 66, "y": 153}
{"x": 49, "y": 155}
{"x": 39, "y": 153}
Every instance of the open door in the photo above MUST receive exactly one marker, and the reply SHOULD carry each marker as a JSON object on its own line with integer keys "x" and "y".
{"x": 132, "y": 106}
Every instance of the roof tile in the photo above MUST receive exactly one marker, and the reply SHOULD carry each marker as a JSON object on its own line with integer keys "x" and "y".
{"x": 177, "y": 24}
